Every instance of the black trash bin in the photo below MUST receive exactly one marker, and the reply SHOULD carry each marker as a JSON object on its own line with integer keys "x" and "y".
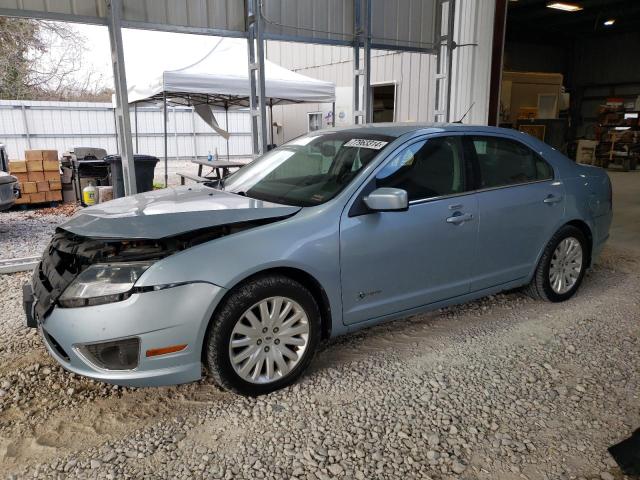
{"x": 145, "y": 166}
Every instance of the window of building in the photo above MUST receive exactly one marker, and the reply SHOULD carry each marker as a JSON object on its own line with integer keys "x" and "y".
{"x": 315, "y": 121}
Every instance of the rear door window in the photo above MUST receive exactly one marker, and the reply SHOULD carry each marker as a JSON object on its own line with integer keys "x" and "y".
{"x": 503, "y": 162}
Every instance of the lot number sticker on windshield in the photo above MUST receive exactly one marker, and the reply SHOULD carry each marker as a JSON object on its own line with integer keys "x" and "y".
{"x": 364, "y": 143}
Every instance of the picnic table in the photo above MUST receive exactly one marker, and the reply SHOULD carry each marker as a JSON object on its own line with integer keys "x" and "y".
{"x": 221, "y": 167}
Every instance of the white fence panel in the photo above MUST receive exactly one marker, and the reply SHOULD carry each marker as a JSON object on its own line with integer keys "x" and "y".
{"x": 65, "y": 125}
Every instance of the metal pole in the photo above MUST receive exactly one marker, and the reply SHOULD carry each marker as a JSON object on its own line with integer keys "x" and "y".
{"x": 175, "y": 130}
{"x": 193, "y": 129}
{"x": 366, "y": 88}
{"x": 257, "y": 105}
{"x": 450, "y": 47}
{"x": 357, "y": 114}
{"x": 261, "y": 79}
{"x": 123, "y": 121}
{"x": 271, "y": 119}
{"x": 135, "y": 117}
{"x": 26, "y": 124}
{"x": 115, "y": 129}
{"x": 333, "y": 114}
{"x": 166, "y": 147}
{"x": 226, "y": 126}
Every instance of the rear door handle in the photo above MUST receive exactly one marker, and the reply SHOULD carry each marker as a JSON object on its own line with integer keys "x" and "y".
{"x": 552, "y": 199}
{"x": 461, "y": 218}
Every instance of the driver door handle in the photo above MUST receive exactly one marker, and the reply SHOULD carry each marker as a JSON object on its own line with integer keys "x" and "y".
{"x": 461, "y": 218}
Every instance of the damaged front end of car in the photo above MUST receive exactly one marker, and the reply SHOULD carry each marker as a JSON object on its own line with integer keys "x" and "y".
{"x": 77, "y": 271}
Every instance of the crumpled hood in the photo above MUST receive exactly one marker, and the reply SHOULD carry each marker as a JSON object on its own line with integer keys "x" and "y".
{"x": 170, "y": 212}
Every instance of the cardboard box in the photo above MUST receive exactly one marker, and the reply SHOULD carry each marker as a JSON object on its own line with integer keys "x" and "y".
{"x": 39, "y": 197}
{"x": 33, "y": 155}
{"x": 53, "y": 196}
{"x": 25, "y": 198}
{"x": 34, "y": 165}
{"x": 36, "y": 176}
{"x": 55, "y": 185}
{"x": 43, "y": 186}
{"x": 52, "y": 175}
{"x": 29, "y": 187}
{"x": 22, "y": 177}
{"x": 50, "y": 156}
{"x": 51, "y": 166}
{"x": 17, "y": 166}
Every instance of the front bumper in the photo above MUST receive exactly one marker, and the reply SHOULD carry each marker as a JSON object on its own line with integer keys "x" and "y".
{"x": 162, "y": 318}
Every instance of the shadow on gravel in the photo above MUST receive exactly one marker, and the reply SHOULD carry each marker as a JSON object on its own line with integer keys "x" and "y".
{"x": 627, "y": 454}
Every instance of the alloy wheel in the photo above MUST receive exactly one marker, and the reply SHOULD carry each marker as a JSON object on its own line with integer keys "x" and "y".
{"x": 269, "y": 340}
{"x": 566, "y": 265}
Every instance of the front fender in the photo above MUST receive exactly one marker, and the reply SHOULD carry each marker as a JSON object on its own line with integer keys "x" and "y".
{"x": 308, "y": 241}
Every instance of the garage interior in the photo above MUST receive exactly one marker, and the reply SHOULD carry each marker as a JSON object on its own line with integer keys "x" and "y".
{"x": 571, "y": 77}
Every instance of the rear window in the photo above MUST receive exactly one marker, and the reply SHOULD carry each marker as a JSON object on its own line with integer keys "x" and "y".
{"x": 507, "y": 162}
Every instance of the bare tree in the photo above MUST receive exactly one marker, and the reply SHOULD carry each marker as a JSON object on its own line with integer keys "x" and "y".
{"x": 17, "y": 38}
{"x": 44, "y": 60}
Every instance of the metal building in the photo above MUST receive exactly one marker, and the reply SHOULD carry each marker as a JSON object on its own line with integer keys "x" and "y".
{"x": 446, "y": 47}
{"x": 403, "y": 82}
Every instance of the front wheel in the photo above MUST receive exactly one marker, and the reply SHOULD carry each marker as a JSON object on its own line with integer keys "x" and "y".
{"x": 263, "y": 336}
{"x": 562, "y": 266}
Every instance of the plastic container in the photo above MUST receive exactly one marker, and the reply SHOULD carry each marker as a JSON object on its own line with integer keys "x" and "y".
{"x": 145, "y": 166}
{"x": 89, "y": 195}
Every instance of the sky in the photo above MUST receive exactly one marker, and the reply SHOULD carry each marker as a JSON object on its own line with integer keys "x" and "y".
{"x": 146, "y": 52}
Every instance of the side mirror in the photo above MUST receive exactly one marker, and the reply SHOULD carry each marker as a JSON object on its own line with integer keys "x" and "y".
{"x": 387, "y": 200}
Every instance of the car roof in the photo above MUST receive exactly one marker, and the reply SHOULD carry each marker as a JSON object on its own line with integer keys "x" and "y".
{"x": 397, "y": 129}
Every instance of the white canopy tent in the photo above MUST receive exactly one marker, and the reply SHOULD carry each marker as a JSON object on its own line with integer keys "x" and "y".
{"x": 222, "y": 75}
{"x": 221, "y": 80}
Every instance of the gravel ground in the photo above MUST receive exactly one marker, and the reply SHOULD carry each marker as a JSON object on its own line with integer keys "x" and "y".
{"x": 502, "y": 388}
{"x": 26, "y": 233}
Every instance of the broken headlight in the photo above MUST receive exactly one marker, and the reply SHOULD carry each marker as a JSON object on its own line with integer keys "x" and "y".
{"x": 103, "y": 283}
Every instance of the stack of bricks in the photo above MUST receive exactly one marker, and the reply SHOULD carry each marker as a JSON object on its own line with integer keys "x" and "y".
{"x": 39, "y": 176}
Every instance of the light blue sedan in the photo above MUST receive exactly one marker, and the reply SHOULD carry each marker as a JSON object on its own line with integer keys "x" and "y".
{"x": 332, "y": 232}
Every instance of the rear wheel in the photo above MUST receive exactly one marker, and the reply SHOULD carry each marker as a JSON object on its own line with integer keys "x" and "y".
{"x": 263, "y": 336}
{"x": 561, "y": 268}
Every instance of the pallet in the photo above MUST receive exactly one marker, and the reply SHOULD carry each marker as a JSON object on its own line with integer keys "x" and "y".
{"x": 28, "y": 206}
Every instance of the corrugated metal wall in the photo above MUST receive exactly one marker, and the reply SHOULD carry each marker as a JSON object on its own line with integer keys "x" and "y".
{"x": 314, "y": 19}
{"x": 65, "y": 125}
{"x": 413, "y": 73}
{"x": 409, "y": 23}
{"x": 394, "y": 22}
{"x": 404, "y": 22}
{"x": 210, "y": 14}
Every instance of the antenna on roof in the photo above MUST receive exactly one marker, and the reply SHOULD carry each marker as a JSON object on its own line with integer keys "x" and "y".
{"x": 465, "y": 113}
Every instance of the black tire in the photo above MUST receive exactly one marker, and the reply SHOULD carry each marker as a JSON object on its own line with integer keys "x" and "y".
{"x": 540, "y": 286}
{"x": 216, "y": 345}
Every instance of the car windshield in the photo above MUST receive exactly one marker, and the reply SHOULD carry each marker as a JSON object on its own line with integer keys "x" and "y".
{"x": 309, "y": 170}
